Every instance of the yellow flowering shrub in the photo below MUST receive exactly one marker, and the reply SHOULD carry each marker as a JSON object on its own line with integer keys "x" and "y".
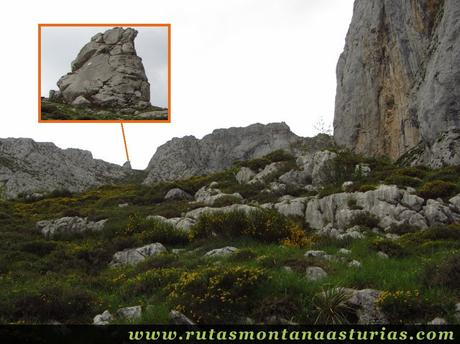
{"x": 216, "y": 294}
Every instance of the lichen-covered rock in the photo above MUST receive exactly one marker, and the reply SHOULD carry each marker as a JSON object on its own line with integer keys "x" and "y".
{"x": 107, "y": 72}
{"x": 28, "y": 167}
{"x": 133, "y": 256}
{"x": 398, "y": 80}
{"x": 68, "y": 225}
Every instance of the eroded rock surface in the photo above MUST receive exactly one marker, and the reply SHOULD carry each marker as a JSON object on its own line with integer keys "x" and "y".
{"x": 106, "y": 72}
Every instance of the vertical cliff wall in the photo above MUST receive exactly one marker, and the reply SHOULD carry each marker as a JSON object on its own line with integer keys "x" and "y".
{"x": 398, "y": 79}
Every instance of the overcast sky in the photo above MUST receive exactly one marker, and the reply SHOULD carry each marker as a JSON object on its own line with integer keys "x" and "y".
{"x": 60, "y": 46}
{"x": 234, "y": 63}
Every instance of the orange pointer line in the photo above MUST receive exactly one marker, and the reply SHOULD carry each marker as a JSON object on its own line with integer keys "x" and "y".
{"x": 124, "y": 140}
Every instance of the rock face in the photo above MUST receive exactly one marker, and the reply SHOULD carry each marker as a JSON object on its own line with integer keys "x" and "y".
{"x": 189, "y": 156}
{"x": 28, "y": 167}
{"x": 398, "y": 80}
{"x": 106, "y": 72}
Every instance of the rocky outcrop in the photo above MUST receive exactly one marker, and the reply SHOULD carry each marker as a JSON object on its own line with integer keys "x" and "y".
{"x": 398, "y": 80}
{"x": 28, "y": 167}
{"x": 189, "y": 156}
{"x": 388, "y": 204}
{"x": 107, "y": 73}
{"x": 68, "y": 225}
{"x": 133, "y": 256}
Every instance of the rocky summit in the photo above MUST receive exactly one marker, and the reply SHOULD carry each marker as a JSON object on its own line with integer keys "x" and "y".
{"x": 34, "y": 168}
{"x": 398, "y": 81}
{"x": 106, "y": 73}
{"x": 188, "y": 156}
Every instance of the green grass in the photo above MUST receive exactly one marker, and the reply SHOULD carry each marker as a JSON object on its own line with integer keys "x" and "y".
{"x": 74, "y": 268}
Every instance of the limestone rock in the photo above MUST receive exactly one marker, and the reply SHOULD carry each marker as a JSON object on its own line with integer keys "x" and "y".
{"x": 315, "y": 273}
{"x": 367, "y": 310}
{"x": 133, "y": 256}
{"x": 195, "y": 213}
{"x": 317, "y": 167}
{"x": 266, "y": 173}
{"x": 28, "y": 167}
{"x": 295, "y": 207}
{"x": 388, "y": 203}
{"x": 344, "y": 251}
{"x": 103, "y": 319}
{"x": 438, "y": 321}
{"x": 398, "y": 80}
{"x": 177, "y": 318}
{"x": 189, "y": 156}
{"x": 130, "y": 313}
{"x": 455, "y": 201}
{"x": 177, "y": 194}
{"x": 107, "y": 72}
{"x": 221, "y": 252}
{"x": 68, "y": 224}
{"x": 244, "y": 175}
{"x": 209, "y": 195}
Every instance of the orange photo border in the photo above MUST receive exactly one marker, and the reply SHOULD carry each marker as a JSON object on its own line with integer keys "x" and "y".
{"x": 40, "y": 120}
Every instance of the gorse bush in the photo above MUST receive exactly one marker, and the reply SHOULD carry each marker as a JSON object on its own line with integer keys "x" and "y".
{"x": 217, "y": 294}
{"x": 403, "y": 306}
{"x": 437, "y": 189}
{"x": 150, "y": 281}
{"x": 265, "y": 225}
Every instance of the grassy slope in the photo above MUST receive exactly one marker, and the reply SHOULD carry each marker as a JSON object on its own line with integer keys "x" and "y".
{"x": 67, "y": 278}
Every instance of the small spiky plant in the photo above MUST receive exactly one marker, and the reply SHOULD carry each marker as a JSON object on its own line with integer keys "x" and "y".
{"x": 331, "y": 306}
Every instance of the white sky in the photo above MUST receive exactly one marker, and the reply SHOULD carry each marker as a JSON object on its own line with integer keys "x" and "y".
{"x": 60, "y": 46}
{"x": 234, "y": 63}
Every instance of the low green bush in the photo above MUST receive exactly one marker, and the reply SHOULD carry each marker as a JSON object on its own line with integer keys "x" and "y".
{"x": 444, "y": 274}
{"x": 403, "y": 228}
{"x": 402, "y": 181}
{"x": 364, "y": 219}
{"x": 437, "y": 189}
{"x": 155, "y": 230}
{"x": 390, "y": 247}
{"x": 59, "y": 303}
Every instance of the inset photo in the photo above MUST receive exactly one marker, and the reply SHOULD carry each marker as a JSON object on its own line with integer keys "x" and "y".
{"x": 104, "y": 73}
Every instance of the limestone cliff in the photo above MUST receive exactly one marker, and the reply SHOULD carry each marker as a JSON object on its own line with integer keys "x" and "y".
{"x": 28, "y": 167}
{"x": 398, "y": 79}
{"x": 188, "y": 156}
